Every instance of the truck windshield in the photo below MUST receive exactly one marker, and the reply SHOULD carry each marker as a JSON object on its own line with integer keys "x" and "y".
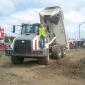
{"x": 29, "y": 29}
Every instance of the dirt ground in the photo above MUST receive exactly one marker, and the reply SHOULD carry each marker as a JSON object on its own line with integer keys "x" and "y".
{"x": 67, "y": 71}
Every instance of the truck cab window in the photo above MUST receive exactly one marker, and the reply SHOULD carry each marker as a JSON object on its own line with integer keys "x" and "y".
{"x": 29, "y": 29}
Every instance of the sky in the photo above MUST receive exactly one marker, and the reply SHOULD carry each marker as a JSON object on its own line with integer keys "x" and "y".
{"x": 25, "y": 11}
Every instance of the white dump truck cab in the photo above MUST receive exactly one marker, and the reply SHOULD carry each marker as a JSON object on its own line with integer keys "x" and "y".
{"x": 27, "y": 45}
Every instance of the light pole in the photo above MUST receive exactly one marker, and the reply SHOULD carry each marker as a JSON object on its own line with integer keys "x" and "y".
{"x": 79, "y": 31}
{"x": 80, "y": 27}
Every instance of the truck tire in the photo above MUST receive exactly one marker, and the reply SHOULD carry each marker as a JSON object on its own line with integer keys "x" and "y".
{"x": 57, "y": 52}
{"x": 44, "y": 60}
{"x": 17, "y": 60}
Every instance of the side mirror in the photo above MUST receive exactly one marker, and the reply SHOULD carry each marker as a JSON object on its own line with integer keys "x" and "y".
{"x": 13, "y": 29}
{"x": 54, "y": 34}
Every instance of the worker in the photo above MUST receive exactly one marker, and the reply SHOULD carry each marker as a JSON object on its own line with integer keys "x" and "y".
{"x": 42, "y": 34}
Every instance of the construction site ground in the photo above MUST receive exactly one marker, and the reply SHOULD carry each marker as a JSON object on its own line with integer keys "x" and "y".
{"x": 67, "y": 71}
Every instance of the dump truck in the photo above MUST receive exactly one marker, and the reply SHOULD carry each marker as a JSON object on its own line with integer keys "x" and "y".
{"x": 27, "y": 44}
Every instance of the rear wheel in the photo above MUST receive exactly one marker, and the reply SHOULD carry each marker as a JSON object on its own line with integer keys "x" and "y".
{"x": 17, "y": 60}
{"x": 57, "y": 52}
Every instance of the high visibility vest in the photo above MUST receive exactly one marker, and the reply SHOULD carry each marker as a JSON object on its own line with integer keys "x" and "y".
{"x": 42, "y": 31}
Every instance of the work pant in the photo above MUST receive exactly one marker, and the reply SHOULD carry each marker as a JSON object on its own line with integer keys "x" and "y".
{"x": 42, "y": 42}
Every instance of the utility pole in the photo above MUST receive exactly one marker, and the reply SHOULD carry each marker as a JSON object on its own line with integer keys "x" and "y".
{"x": 79, "y": 31}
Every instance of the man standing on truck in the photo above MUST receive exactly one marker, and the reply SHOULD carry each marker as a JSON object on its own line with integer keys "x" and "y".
{"x": 42, "y": 34}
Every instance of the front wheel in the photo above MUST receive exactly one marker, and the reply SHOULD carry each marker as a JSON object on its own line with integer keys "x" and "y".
{"x": 44, "y": 60}
{"x": 17, "y": 60}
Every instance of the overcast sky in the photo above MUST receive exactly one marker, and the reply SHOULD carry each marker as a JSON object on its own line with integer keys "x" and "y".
{"x": 20, "y": 11}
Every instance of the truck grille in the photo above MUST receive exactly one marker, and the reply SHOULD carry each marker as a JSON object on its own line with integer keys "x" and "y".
{"x": 22, "y": 47}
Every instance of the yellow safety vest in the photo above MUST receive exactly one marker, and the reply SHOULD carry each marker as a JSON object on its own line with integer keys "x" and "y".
{"x": 42, "y": 31}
